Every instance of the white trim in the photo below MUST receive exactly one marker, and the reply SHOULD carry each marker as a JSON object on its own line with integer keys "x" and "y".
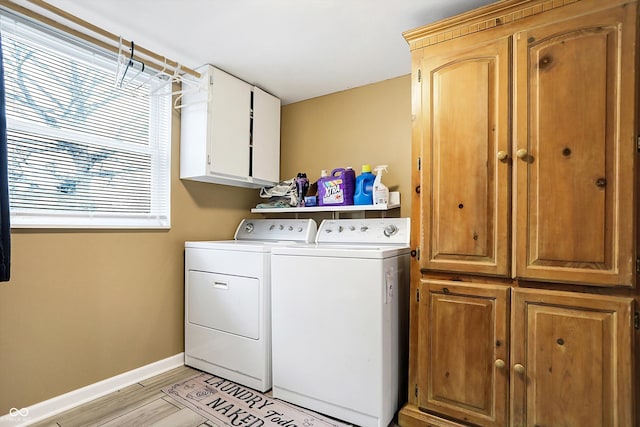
{"x": 48, "y": 408}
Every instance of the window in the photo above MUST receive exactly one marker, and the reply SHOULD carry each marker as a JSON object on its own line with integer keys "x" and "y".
{"x": 87, "y": 147}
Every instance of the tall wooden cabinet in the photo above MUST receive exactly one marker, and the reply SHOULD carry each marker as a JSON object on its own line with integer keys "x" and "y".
{"x": 524, "y": 218}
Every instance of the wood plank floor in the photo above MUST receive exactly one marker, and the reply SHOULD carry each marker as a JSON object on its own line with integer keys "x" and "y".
{"x": 141, "y": 404}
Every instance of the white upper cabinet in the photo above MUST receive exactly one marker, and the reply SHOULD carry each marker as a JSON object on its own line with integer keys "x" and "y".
{"x": 230, "y": 132}
{"x": 266, "y": 136}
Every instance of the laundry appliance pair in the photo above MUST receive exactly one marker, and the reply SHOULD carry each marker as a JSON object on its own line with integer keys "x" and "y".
{"x": 319, "y": 317}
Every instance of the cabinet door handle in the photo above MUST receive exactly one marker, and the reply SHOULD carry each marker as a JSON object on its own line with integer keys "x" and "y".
{"x": 522, "y": 153}
{"x": 519, "y": 369}
{"x": 500, "y": 364}
{"x": 502, "y": 155}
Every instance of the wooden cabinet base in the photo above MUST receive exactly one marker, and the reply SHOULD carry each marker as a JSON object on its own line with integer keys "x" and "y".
{"x": 411, "y": 416}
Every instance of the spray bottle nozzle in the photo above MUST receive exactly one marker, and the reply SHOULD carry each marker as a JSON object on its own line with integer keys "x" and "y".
{"x": 381, "y": 167}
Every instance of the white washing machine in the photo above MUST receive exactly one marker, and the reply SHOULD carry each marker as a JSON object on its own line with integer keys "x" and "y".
{"x": 228, "y": 299}
{"x": 340, "y": 320}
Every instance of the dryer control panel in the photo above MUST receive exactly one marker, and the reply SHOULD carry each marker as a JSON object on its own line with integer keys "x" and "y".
{"x": 291, "y": 230}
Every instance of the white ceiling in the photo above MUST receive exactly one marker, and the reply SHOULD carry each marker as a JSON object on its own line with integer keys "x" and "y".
{"x": 294, "y": 49}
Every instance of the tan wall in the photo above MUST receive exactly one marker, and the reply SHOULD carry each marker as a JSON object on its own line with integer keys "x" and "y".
{"x": 370, "y": 124}
{"x": 84, "y": 306}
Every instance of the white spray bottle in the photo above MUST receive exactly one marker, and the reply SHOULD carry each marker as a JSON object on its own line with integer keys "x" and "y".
{"x": 380, "y": 191}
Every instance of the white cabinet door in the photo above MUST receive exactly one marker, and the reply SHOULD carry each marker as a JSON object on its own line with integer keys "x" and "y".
{"x": 266, "y": 136}
{"x": 229, "y": 123}
{"x": 230, "y": 132}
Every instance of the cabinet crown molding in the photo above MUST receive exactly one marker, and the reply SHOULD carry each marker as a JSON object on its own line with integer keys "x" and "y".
{"x": 481, "y": 19}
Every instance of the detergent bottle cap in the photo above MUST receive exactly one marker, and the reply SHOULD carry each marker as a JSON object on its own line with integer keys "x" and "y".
{"x": 366, "y": 168}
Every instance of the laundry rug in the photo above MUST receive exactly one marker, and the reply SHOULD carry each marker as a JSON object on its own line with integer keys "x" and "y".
{"x": 234, "y": 405}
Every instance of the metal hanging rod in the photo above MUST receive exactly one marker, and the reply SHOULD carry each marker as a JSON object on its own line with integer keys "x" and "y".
{"x": 153, "y": 60}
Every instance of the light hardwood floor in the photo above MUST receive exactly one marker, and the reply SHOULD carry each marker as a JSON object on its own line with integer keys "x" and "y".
{"x": 141, "y": 404}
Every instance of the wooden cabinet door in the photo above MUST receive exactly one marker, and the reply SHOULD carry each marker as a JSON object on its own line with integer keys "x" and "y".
{"x": 571, "y": 359}
{"x": 576, "y": 143}
{"x": 463, "y": 351}
{"x": 465, "y": 188}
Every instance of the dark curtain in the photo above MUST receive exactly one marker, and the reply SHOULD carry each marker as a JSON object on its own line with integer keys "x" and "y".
{"x": 5, "y": 229}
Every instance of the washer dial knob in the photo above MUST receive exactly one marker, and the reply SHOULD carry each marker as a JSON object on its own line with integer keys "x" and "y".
{"x": 390, "y": 230}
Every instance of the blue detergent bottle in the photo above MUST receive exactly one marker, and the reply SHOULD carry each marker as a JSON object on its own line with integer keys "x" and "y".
{"x": 364, "y": 187}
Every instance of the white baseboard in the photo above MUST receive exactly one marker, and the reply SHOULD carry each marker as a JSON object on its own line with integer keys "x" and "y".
{"x": 40, "y": 411}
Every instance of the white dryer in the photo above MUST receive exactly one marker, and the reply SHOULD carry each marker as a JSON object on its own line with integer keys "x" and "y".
{"x": 228, "y": 299}
{"x": 340, "y": 320}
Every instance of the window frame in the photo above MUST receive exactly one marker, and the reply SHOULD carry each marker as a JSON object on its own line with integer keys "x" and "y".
{"x": 158, "y": 145}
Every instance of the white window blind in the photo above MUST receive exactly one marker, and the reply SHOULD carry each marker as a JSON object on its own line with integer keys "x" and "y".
{"x": 86, "y": 148}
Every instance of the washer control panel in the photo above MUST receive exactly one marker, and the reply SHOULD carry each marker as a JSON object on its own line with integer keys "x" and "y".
{"x": 293, "y": 230}
{"x": 368, "y": 231}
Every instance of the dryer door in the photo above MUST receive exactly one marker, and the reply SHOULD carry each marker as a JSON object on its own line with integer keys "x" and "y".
{"x": 225, "y": 303}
